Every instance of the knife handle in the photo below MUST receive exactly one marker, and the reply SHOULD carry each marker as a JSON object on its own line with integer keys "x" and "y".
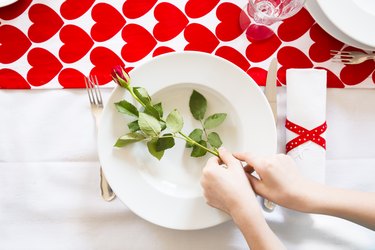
{"x": 268, "y": 206}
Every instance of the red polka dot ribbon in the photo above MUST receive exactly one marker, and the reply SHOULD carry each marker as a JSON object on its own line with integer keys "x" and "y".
{"x": 305, "y": 135}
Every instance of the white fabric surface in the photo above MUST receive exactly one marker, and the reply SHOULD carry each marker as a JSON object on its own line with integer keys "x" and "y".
{"x": 49, "y": 175}
{"x": 306, "y": 107}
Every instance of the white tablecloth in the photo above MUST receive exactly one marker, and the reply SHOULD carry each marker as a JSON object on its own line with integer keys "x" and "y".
{"x": 49, "y": 172}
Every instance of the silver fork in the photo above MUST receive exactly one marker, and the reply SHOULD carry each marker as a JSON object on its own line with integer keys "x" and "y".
{"x": 96, "y": 103}
{"x": 350, "y": 57}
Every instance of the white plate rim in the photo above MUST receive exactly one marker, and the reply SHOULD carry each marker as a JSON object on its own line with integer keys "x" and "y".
{"x": 6, "y": 2}
{"x": 217, "y": 216}
{"x": 323, "y": 21}
{"x": 348, "y": 10}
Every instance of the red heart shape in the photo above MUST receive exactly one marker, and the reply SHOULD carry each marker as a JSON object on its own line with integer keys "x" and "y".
{"x": 229, "y": 28}
{"x": 139, "y": 43}
{"x": 46, "y": 23}
{"x": 72, "y": 9}
{"x": 14, "y": 10}
{"x": 259, "y": 75}
{"x": 10, "y": 79}
{"x": 76, "y": 43}
{"x": 357, "y": 73}
{"x": 162, "y": 50}
{"x": 295, "y": 26}
{"x": 233, "y": 56}
{"x": 44, "y": 66}
{"x": 171, "y": 21}
{"x": 332, "y": 80}
{"x": 13, "y": 44}
{"x": 323, "y": 43}
{"x": 104, "y": 60}
{"x": 199, "y": 8}
{"x": 290, "y": 57}
{"x": 135, "y": 8}
{"x": 259, "y": 51}
{"x": 71, "y": 78}
{"x": 108, "y": 22}
{"x": 200, "y": 38}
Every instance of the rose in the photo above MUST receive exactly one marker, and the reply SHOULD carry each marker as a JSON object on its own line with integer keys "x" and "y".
{"x": 149, "y": 123}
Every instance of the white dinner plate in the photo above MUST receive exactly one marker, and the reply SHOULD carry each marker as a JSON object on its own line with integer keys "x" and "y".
{"x": 323, "y": 21}
{"x": 168, "y": 192}
{"x": 4, "y": 3}
{"x": 355, "y": 18}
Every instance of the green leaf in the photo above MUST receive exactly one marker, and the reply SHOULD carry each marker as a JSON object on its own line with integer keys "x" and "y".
{"x": 159, "y": 108}
{"x": 150, "y": 110}
{"x": 196, "y": 135}
{"x": 214, "y": 120}
{"x": 214, "y": 140}
{"x": 198, "y": 151}
{"x": 165, "y": 143}
{"x": 129, "y": 138}
{"x": 151, "y": 145}
{"x": 174, "y": 121}
{"x": 133, "y": 126}
{"x": 142, "y": 94}
{"x": 198, "y": 105}
{"x": 163, "y": 125}
{"x": 126, "y": 108}
{"x": 149, "y": 125}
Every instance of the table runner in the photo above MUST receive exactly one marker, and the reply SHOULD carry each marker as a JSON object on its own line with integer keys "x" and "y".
{"x": 54, "y": 44}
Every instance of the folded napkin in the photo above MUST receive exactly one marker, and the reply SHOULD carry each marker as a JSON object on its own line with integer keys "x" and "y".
{"x": 305, "y": 123}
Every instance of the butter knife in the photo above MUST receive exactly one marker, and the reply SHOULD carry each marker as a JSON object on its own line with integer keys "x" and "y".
{"x": 271, "y": 95}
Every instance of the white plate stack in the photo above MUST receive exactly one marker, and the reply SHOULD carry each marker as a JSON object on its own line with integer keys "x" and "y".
{"x": 350, "y": 21}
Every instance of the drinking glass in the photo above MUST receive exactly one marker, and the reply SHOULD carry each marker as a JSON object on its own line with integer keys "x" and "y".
{"x": 260, "y": 16}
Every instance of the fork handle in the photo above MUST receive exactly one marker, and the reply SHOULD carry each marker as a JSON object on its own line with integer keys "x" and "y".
{"x": 106, "y": 190}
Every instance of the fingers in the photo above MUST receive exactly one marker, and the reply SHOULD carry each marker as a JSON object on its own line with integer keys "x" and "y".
{"x": 228, "y": 158}
{"x": 256, "y": 162}
{"x": 256, "y": 184}
{"x": 213, "y": 161}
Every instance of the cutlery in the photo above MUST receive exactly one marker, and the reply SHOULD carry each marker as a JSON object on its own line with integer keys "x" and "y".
{"x": 350, "y": 57}
{"x": 271, "y": 94}
{"x": 96, "y": 103}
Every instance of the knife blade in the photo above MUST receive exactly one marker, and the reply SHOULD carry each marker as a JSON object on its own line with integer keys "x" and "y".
{"x": 271, "y": 95}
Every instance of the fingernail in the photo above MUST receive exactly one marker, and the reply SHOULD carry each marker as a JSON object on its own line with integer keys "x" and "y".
{"x": 222, "y": 150}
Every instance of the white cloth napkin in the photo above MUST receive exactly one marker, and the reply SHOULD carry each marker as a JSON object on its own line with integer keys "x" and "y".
{"x": 306, "y": 107}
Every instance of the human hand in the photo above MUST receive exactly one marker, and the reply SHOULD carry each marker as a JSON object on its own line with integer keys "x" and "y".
{"x": 279, "y": 180}
{"x": 227, "y": 187}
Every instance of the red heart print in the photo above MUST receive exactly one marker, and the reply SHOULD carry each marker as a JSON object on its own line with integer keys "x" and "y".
{"x": 162, "y": 50}
{"x": 46, "y": 23}
{"x": 76, "y": 43}
{"x": 14, "y": 10}
{"x": 290, "y": 57}
{"x": 139, "y": 43}
{"x": 171, "y": 21}
{"x": 45, "y": 66}
{"x": 72, "y": 9}
{"x": 199, "y": 8}
{"x": 13, "y": 44}
{"x": 332, "y": 80}
{"x": 357, "y": 73}
{"x": 104, "y": 60}
{"x": 108, "y": 22}
{"x": 233, "y": 56}
{"x": 259, "y": 51}
{"x": 10, "y": 79}
{"x": 136, "y": 8}
{"x": 323, "y": 43}
{"x": 259, "y": 75}
{"x": 295, "y": 26}
{"x": 229, "y": 28}
{"x": 200, "y": 38}
{"x": 71, "y": 78}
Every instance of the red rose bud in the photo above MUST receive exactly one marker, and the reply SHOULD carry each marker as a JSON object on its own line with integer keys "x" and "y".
{"x": 120, "y": 76}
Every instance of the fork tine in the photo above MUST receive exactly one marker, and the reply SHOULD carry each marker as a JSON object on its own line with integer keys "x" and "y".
{"x": 96, "y": 82}
{"x": 96, "y": 91}
{"x": 89, "y": 90}
{"x": 341, "y": 52}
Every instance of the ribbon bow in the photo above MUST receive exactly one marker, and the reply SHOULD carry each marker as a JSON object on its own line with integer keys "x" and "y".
{"x": 305, "y": 135}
